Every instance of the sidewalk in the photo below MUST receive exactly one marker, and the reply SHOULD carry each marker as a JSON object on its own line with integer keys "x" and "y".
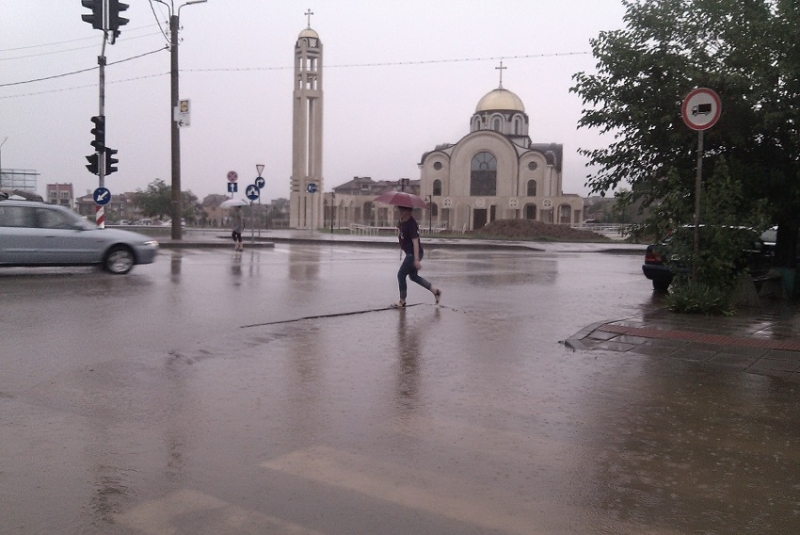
{"x": 763, "y": 341}
{"x": 268, "y": 238}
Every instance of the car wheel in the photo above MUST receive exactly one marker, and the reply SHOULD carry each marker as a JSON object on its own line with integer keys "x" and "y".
{"x": 660, "y": 286}
{"x": 119, "y": 260}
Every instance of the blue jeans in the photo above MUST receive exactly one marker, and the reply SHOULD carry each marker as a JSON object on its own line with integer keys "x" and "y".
{"x": 407, "y": 269}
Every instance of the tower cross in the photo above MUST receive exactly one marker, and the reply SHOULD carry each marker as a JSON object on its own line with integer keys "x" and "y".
{"x": 501, "y": 69}
{"x": 308, "y": 14}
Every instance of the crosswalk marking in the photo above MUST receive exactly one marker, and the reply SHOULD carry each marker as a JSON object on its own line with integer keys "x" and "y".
{"x": 494, "y": 508}
{"x": 175, "y": 512}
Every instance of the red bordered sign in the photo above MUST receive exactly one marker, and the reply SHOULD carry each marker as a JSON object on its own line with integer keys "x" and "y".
{"x": 701, "y": 109}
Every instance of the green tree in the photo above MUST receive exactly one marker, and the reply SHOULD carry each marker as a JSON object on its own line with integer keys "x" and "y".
{"x": 156, "y": 200}
{"x": 745, "y": 50}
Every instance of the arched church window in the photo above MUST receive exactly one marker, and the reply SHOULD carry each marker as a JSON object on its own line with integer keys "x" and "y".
{"x": 530, "y": 211}
{"x": 476, "y": 124}
{"x": 437, "y": 187}
{"x": 483, "y": 175}
{"x": 517, "y": 126}
{"x": 496, "y": 124}
{"x": 531, "y": 188}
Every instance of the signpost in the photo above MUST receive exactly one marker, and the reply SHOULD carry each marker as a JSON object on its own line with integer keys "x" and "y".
{"x": 101, "y": 196}
{"x": 700, "y": 111}
{"x": 252, "y": 193}
{"x": 233, "y": 187}
{"x": 260, "y": 183}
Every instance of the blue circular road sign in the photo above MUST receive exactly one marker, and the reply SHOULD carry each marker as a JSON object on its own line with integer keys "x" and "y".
{"x": 260, "y": 182}
{"x": 311, "y": 188}
{"x": 251, "y": 192}
{"x": 102, "y": 196}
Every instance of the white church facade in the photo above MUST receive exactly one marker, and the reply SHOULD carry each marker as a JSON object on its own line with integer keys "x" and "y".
{"x": 496, "y": 172}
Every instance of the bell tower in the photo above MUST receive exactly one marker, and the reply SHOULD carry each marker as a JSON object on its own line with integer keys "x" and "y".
{"x": 305, "y": 209}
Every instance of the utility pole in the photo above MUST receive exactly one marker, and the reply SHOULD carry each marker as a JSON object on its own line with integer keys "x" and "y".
{"x": 175, "y": 134}
{"x": 177, "y": 208}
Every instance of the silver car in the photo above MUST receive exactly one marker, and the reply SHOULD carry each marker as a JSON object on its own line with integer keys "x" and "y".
{"x": 40, "y": 234}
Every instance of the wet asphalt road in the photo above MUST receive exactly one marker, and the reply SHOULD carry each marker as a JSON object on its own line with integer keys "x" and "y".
{"x": 269, "y": 392}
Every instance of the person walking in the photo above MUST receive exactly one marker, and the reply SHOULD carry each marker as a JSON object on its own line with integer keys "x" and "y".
{"x": 237, "y": 226}
{"x": 412, "y": 263}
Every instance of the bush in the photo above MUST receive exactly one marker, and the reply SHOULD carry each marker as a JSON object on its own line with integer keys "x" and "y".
{"x": 689, "y": 297}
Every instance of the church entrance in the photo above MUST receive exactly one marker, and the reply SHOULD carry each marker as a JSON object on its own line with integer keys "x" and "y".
{"x": 478, "y": 218}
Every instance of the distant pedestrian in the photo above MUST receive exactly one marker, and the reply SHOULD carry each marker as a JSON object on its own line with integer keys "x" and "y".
{"x": 412, "y": 263}
{"x": 237, "y": 226}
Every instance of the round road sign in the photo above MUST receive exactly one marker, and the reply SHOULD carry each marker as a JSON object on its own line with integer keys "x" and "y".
{"x": 311, "y": 188}
{"x": 251, "y": 192}
{"x": 701, "y": 109}
{"x": 233, "y": 176}
{"x": 102, "y": 196}
{"x": 260, "y": 182}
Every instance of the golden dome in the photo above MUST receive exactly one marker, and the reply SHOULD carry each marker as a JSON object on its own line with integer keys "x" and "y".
{"x": 308, "y": 32}
{"x": 500, "y": 99}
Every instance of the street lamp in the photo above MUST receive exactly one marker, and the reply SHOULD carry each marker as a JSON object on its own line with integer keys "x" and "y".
{"x": 174, "y": 24}
{"x": 333, "y": 207}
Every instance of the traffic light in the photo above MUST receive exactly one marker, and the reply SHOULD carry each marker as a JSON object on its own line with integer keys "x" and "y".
{"x": 99, "y": 133}
{"x": 93, "y": 167}
{"x": 114, "y": 20}
{"x": 96, "y": 17}
{"x": 111, "y": 161}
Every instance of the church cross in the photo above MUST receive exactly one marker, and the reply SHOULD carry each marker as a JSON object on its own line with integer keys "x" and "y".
{"x": 308, "y": 14}
{"x": 501, "y": 69}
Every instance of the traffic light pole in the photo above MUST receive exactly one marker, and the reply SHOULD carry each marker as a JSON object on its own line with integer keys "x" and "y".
{"x": 100, "y": 216}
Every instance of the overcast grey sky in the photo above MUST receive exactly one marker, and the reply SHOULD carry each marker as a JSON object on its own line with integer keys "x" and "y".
{"x": 399, "y": 79}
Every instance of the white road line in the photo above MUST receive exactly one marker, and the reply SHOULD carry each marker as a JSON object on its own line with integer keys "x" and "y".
{"x": 172, "y": 513}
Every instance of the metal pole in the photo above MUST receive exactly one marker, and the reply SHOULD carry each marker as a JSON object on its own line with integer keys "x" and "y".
{"x": 175, "y": 130}
{"x": 100, "y": 213}
{"x": 697, "y": 191}
{"x": 252, "y": 225}
{"x": 430, "y": 215}
{"x": 1, "y": 161}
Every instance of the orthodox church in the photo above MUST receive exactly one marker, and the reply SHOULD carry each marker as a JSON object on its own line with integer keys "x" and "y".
{"x": 496, "y": 172}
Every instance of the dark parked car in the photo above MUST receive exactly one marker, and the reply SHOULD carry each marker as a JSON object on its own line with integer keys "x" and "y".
{"x": 661, "y": 263}
{"x": 40, "y": 234}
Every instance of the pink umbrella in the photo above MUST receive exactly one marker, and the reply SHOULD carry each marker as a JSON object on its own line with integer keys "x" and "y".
{"x": 401, "y": 198}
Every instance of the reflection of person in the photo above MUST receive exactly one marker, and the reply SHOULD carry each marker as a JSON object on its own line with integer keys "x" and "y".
{"x": 410, "y": 244}
{"x": 237, "y": 226}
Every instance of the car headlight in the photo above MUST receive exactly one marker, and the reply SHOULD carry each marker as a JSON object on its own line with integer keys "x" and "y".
{"x": 151, "y": 243}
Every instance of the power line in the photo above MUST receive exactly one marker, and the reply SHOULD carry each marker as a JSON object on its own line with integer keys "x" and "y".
{"x": 60, "y": 90}
{"x": 395, "y": 63}
{"x": 68, "y": 49}
{"x": 245, "y": 69}
{"x": 81, "y": 70}
{"x": 65, "y": 42}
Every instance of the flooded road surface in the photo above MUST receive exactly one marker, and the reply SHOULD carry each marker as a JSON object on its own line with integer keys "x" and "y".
{"x": 274, "y": 392}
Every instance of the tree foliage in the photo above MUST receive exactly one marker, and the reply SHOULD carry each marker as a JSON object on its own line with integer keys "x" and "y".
{"x": 156, "y": 201}
{"x": 745, "y": 50}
